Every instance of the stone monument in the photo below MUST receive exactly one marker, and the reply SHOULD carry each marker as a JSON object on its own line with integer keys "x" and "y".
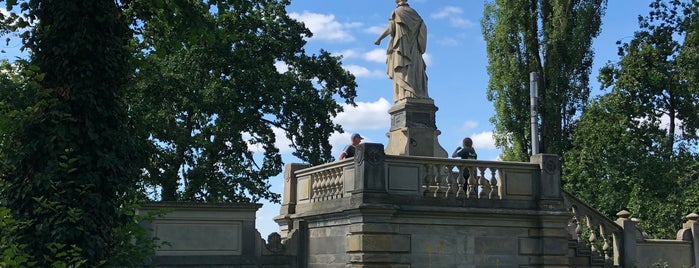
{"x": 413, "y": 127}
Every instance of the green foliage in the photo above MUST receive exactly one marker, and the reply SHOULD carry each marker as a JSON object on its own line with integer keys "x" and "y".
{"x": 554, "y": 39}
{"x": 627, "y": 153}
{"x": 11, "y": 254}
{"x": 68, "y": 173}
{"x": 210, "y": 101}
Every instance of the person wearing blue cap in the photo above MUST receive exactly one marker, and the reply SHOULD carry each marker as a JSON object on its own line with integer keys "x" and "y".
{"x": 350, "y": 149}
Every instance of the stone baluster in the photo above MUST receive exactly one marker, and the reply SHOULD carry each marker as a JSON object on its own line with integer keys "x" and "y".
{"x": 437, "y": 181}
{"x": 426, "y": 179}
{"x": 484, "y": 183}
{"x": 494, "y": 184}
{"x": 315, "y": 181}
{"x": 337, "y": 181}
{"x": 320, "y": 189}
{"x": 578, "y": 224}
{"x": 324, "y": 186}
{"x": 449, "y": 179}
{"x": 461, "y": 181}
{"x": 471, "y": 188}
{"x": 593, "y": 235}
{"x": 606, "y": 247}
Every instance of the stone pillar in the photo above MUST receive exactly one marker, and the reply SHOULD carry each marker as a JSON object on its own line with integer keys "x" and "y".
{"x": 626, "y": 255}
{"x": 550, "y": 181}
{"x": 288, "y": 198}
{"x": 690, "y": 232}
{"x": 413, "y": 129}
{"x": 693, "y": 222}
{"x": 369, "y": 168}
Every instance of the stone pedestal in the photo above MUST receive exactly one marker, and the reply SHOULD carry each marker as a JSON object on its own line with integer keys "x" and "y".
{"x": 413, "y": 129}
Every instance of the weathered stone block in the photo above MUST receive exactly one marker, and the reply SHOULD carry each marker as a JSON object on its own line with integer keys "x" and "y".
{"x": 378, "y": 242}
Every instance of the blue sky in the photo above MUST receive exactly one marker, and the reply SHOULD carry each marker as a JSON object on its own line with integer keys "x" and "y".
{"x": 456, "y": 66}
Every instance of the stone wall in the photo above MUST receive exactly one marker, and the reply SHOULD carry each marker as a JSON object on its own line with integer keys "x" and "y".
{"x": 214, "y": 235}
{"x": 377, "y": 210}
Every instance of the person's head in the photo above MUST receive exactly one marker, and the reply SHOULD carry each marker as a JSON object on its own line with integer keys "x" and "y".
{"x": 356, "y": 138}
{"x": 467, "y": 142}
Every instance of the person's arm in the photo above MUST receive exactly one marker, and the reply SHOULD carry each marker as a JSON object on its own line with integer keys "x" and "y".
{"x": 456, "y": 152}
{"x": 342, "y": 155}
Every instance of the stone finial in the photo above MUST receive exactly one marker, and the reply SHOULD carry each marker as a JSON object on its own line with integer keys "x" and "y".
{"x": 624, "y": 214}
{"x": 692, "y": 217}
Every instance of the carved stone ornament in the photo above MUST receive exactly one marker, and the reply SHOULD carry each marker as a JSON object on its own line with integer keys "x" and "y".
{"x": 274, "y": 243}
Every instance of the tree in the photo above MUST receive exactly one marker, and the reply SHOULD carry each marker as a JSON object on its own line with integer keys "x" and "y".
{"x": 636, "y": 147}
{"x": 552, "y": 38}
{"x": 217, "y": 82}
{"x": 68, "y": 179}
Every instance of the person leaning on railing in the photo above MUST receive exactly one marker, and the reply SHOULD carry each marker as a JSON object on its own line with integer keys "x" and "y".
{"x": 467, "y": 151}
{"x": 350, "y": 149}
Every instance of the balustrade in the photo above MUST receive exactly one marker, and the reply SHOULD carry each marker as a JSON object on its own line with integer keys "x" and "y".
{"x": 439, "y": 178}
{"x": 326, "y": 184}
{"x": 587, "y": 223}
{"x": 461, "y": 179}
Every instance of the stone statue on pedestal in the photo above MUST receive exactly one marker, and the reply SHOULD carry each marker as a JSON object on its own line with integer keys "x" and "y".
{"x": 413, "y": 129}
{"x": 404, "y": 63}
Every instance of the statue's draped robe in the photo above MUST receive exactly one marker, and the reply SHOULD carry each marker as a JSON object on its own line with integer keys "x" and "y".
{"x": 404, "y": 54}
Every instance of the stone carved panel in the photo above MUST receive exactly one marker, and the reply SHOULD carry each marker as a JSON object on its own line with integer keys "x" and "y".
{"x": 519, "y": 184}
{"x": 403, "y": 179}
{"x": 199, "y": 238}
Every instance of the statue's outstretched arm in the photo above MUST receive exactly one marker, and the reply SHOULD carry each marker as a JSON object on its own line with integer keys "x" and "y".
{"x": 389, "y": 30}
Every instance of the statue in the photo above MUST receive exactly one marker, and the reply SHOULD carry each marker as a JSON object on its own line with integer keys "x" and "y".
{"x": 404, "y": 63}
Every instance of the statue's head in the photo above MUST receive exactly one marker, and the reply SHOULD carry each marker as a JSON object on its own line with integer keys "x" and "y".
{"x": 401, "y": 2}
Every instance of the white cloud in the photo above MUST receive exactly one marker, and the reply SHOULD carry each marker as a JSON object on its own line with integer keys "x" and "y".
{"x": 461, "y": 23}
{"x": 427, "y": 58}
{"x": 377, "y": 30}
{"x": 447, "y": 12}
{"x": 451, "y": 42}
{"x": 367, "y": 115}
{"x": 339, "y": 140}
{"x": 679, "y": 125}
{"x": 468, "y": 126}
{"x": 4, "y": 11}
{"x": 281, "y": 67}
{"x": 451, "y": 13}
{"x": 325, "y": 27}
{"x": 376, "y": 55}
{"x": 484, "y": 140}
{"x": 281, "y": 142}
{"x": 360, "y": 71}
{"x": 348, "y": 53}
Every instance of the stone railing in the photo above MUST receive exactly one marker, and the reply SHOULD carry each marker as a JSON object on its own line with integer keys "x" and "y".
{"x": 460, "y": 179}
{"x": 371, "y": 171}
{"x": 603, "y": 236}
{"x": 469, "y": 179}
{"x": 325, "y": 182}
{"x": 621, "y": 243}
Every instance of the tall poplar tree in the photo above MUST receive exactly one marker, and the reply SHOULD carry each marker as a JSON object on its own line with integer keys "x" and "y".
{"x": 554, "y": 39}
